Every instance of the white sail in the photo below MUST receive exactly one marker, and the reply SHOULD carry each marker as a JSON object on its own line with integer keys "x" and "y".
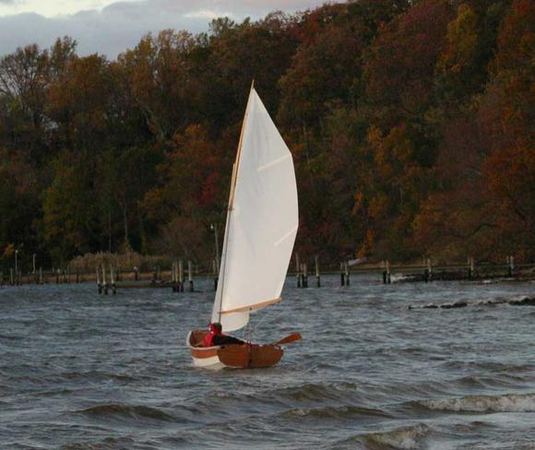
{"x": 261, "y": 224}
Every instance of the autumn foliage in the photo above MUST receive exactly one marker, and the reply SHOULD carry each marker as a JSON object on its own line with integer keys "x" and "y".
{"x": 412, "y": 126}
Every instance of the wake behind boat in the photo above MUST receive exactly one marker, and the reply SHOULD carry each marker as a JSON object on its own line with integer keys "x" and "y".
{"x": 261, "y": 226}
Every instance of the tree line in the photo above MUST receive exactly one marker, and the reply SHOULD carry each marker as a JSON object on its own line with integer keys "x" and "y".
{"x": 411, "y": 123}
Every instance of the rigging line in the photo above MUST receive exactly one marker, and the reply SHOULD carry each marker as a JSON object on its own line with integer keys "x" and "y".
{"x": 248, "y": 332}
{"x": 269, "y": 314}
{"x": 315, "y": 366}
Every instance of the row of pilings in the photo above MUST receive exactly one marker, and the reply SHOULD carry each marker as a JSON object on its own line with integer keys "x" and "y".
{"x": 181, "y": 276}
{"x": 428, "y": 272}
{"x": 302, "y": 273}
{"x": 14, "y": 277}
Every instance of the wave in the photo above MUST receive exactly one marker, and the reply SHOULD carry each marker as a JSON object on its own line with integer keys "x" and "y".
{"x": 334, "y": 412}
{"x": 96, "y": 375}
{"x": 409, "y": 437}
{"x": 128, "y": 411}
{"x": 11, "y": 337}
{"x": 484, "y": 403}
{"x": 300, "y": 393}
{"x": 530, "y": 301}
{"x": 315, "y": 392}
{"x": 108, "y": 443}
{"x": 502, "y": 381}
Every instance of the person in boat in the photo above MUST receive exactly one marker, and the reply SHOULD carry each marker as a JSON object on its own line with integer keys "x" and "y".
{"x": 215, "y": 336}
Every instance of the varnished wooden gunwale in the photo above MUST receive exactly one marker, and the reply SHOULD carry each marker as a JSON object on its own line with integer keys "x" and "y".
{"x": 201, "y": 353}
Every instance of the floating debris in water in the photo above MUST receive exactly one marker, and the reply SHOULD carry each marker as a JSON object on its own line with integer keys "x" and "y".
{"x": 529, "y": 301}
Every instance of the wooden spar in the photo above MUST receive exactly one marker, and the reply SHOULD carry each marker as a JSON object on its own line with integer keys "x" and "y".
{"x": 252, "y": 307}
{"x": 234, "y": 180}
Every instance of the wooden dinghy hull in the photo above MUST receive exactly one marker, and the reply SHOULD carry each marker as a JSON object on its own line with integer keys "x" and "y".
{"x": 235, "y": 356}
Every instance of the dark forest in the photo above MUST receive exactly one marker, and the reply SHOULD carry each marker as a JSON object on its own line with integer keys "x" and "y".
{"x": 411, "y": 123}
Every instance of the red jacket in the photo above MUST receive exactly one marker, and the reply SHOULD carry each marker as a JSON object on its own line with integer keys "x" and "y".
{"x": 208, "y": 340}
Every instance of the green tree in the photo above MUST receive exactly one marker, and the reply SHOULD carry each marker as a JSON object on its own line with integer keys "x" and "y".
{"x": 70, "y": 221}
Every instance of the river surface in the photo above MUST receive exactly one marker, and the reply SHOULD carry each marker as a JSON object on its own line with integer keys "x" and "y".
{"x": 82, "y": 371}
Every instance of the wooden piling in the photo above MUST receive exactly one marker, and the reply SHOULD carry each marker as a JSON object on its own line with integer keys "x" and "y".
{"x": 112, "y": 281}
{"x": 317, "y": 263}
{"x": 104, "y": 282}
{"x": 190, "y": 276}
{"x": 388, "y": 275}
{"x": 470, "y": 267}
{"x": 173, "y": 276}
{"x": 297, "y": 270}
{"x": 180, "y": 276}
{"x": 304, "y": 275}
{"x": 429, "y": 270}
{"x": 510, "y": 265}
{"x": 342, "y": 275}
{"x": 99, "y": 284}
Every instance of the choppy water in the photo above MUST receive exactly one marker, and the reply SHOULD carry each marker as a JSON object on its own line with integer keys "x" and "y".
{"x": 79, "y": 371}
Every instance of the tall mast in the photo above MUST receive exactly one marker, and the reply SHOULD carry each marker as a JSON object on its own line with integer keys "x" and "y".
{"x": 234, "y": 180}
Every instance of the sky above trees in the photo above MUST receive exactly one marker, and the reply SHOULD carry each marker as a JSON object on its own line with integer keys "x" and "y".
{"x": 109, "y": 26}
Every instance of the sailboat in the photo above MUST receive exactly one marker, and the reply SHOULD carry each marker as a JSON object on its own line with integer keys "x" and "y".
{"x": 262, "y": 222}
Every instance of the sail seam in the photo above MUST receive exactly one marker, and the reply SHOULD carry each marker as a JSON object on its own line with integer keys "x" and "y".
{"x": 273, "y": 163}
{"x": 286, "y": 236}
